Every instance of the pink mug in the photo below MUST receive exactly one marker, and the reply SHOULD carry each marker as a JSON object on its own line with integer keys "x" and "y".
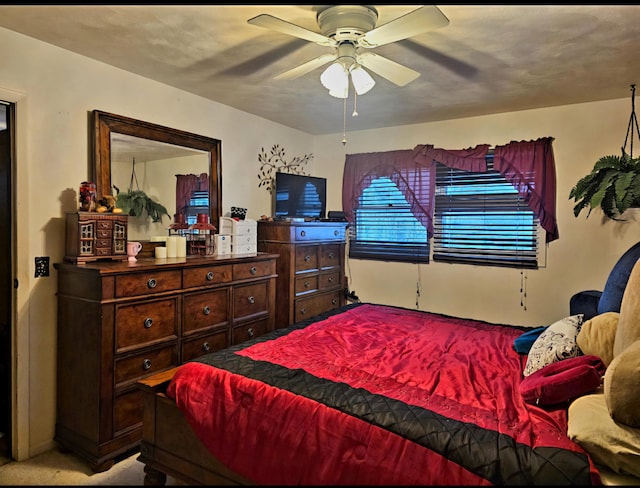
{"x": 133, "y": 248}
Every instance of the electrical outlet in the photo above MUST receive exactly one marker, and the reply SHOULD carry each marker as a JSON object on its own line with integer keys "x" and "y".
{"x": 42, "y": 266}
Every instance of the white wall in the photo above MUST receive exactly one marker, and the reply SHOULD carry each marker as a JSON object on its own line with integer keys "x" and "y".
{"x": 56, "y": 90}
{"x": 580, "y": 259}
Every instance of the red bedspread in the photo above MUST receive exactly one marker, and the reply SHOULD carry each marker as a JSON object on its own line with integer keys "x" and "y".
{"x": 378, "y": 395}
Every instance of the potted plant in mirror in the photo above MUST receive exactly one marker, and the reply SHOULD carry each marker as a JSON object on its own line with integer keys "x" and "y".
{"x": 613, "y": 185}
{"x": 136, "y": 202}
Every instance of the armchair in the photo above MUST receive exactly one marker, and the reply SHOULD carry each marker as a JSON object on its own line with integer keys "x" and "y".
{"x": 595, "y": 302}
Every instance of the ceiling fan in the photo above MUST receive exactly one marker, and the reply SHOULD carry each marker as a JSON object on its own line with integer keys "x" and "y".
{"x": 350, "y": 30}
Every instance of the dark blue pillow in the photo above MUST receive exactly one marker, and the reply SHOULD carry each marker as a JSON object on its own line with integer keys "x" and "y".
{"x": 611, "y": 297}
{"x": 523, "y": 343}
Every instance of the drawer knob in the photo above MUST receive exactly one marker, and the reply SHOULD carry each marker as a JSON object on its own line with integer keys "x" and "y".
{"x": 206, "y": 310}
{"x": 146, "y": 364}
{"x": 206, "y": 347}
{"x": 303, "y": 311}
{"x": 251, "y": 300}
{"x": 335, "y": 232}
{"x": 330, "y": 280}
{"x": 331, "y": 255}
{"x": 151, "y": 283}
{"x": 303, "y": 233}
{"x": 250, "y": 332}
{"x": 148, "y": 322}
{"x": 334, "y": 301}
{"x": 307, "y": 258}
{"x": 253, "y": 270}
{"x": 210, "y": 276}
{"x": 307, "y": 284}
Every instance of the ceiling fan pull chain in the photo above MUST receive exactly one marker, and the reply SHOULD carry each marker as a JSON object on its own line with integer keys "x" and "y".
{"x": 344, "y": 121}
{"x": 355, "y": 105}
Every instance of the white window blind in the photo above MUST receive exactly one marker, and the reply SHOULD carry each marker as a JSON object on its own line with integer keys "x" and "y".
{"x": 385, "y": 228}
{"x": 481, "y": 219}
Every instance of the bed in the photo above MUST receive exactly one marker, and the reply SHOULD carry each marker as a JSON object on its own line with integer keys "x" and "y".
{"x": 366, "y": 394}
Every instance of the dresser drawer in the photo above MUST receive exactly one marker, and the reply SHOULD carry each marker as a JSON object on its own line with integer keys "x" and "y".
{"x": 329, "y": 255}
{"x": 104, "y": 225}
{"x": 103, "y": 251}
{"x": 205, "y": 309}
{"x": 239, "y": 239}
{"x": 146, "y": 283}
{"x": 313, "y": 305}
{"x": 329, "y": 280}
{"x": 104, "y": 243}
{"x": 198, "y": 346}
{"x": 252, "y": 269}
{"x": 320, "y": 233}
{"x": 134, "y": 367}
{"x": 306, "y": 258}
{"x": 249, "y": 300}
{"x": 102, "y": 233}
{"x": 249, "y": 331}
{"x": 206, "y": 275}
{"x": 306, "y": 284}
{"x": 141, "y": 323}
{"x": 128, "y": 410}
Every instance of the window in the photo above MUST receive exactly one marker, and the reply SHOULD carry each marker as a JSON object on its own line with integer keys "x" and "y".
{"x": 385, "y": 227}
{"x": 480, "y": 207}
{"x": 481, "y": 219}
{"x": 198, "y": 203}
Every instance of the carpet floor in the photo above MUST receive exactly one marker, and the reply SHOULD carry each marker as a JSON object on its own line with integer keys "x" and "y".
{"x": 57, "y": 468}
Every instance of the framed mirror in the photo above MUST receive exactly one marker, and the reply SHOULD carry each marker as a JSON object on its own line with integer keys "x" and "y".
{"x": 133, "y": 154}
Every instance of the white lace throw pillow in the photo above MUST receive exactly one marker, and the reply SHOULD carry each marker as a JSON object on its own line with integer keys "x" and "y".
{"x": 556, "y": 343}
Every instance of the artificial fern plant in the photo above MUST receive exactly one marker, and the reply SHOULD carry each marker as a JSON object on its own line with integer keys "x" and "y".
{"x": 613, "y": 185}
{"x": 614, "y": 182}
{"x": 136, "y": 202}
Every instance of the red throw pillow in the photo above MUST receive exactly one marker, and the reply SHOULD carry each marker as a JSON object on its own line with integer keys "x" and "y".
{"x": 563, "y": 380}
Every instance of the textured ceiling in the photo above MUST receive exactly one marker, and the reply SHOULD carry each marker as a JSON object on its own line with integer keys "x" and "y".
{"x": 489, "y": 59}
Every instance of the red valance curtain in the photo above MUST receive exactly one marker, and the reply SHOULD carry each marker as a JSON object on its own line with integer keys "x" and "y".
{"x": 414, "y": 179}
{"x": 186, "y": 185}
{"x": 411, "y": 170}
{"x": 530, "y": 167}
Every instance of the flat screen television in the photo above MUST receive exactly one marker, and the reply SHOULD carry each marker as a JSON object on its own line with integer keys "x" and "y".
{"x": 300, "y": 196}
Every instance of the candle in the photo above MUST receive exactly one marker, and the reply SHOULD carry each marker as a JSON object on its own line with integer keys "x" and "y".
{"x": 161, "y": 252}
{"x": 181, "y": 250}
{"x": 172, "y": 246}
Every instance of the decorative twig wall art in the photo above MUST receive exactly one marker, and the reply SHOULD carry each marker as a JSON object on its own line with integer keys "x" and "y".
{"x": 275, "y": 162}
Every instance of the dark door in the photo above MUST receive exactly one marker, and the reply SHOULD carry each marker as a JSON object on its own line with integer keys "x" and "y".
{"x": 6, "y": 278}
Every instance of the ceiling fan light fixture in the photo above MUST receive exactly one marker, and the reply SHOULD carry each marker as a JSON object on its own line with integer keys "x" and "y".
{"x": 362, "y": 81}
{"x": 340, "y": 93}
{"x": 335, "y": 79}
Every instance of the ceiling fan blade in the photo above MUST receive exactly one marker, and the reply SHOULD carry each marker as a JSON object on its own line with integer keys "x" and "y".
{"x": 274, "y": 23}
{"x": 307, "y": 67}
{"x": 416, "y": 22}
{"x": 392, "y": 71}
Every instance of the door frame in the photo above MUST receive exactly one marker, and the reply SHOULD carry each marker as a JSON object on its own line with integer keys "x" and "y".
{"x": 20, "y": 267}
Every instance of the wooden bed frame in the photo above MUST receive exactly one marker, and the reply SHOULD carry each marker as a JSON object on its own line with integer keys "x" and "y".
{"x": 170, "y": 447}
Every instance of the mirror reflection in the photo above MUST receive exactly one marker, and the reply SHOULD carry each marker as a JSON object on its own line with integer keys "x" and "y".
{"x": 176, "y": 177}
{"x": 179, "y": 170}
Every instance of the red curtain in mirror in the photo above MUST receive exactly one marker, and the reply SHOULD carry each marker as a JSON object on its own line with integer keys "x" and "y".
{"x": 186, "y": 185}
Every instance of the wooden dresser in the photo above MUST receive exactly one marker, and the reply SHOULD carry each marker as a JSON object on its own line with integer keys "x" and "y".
{"x": 310, "y": 266}
{"x": 119, "y": 322}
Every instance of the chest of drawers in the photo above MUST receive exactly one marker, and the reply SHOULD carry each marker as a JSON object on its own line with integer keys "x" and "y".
{"x": 310, "y": 266}
{"x": 119, "y": 322}
{"x": 91, "y": 236}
